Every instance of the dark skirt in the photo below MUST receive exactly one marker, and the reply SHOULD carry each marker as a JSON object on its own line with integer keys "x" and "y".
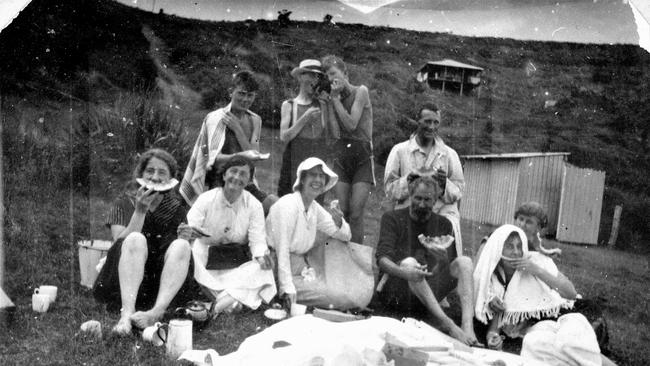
{"x": 107, "y": 285}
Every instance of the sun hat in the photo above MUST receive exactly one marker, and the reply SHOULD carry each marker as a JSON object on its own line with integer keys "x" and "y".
{"x": 307, "y": 65}
{"x": 314, "y": 162}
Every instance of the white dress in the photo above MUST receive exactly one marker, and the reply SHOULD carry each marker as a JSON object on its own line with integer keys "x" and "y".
{"x": 240, "y": 222}
{"x": 292, "y": 232}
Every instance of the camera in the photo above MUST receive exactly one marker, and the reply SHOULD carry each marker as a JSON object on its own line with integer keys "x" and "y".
{"x": 323, "y": 84}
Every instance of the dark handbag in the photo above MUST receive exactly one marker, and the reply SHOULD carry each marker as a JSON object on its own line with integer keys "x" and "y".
{"x": 227, "y": 256}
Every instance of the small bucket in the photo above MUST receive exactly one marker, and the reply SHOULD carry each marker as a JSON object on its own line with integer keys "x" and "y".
{"x": 90, "y": 252}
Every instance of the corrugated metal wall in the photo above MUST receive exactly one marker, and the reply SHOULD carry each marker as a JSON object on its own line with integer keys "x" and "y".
{"x": 540, "y": 179}
{"x": 581, "y": 205}
{"x": 490, "y": 190}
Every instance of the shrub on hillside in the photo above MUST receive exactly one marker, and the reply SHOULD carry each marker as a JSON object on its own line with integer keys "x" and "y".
{"x": 135, "y": 123}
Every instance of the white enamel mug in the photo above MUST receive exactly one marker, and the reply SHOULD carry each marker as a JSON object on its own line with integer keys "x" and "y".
{"x": 50, "y": 291}
{"x": 40, "y": 302}
{"x": 179, "y": 337}
{"x": 155, "y": 334}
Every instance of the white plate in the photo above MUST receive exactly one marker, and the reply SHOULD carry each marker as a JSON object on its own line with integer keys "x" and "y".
{"x": 275, "y": 314}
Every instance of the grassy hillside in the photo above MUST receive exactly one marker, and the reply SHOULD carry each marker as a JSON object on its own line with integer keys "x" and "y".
{"x": 94, "y": 50}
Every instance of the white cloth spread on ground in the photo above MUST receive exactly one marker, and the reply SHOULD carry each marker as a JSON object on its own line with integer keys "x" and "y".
{"x": 526, "y": 296}
{"x": 311, "y": 338}
{"x": 240, "y": 222}
{"x": 569, "y": 341}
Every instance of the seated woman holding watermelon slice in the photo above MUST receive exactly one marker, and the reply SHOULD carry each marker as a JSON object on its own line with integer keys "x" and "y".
{"x": 523, "y": 294}
{"x": 146, "y": 269}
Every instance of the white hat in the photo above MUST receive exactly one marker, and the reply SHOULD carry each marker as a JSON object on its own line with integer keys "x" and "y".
{"x": 314, "y": 162}
{"x": 307, "y": 66}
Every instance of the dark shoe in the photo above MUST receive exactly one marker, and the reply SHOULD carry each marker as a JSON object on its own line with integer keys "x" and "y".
{"x": 602, "y": 335}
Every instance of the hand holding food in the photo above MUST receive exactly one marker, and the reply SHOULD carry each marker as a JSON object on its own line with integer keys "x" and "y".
{"x": 254, "y": 155}
{"x": 157, "y": 187}
{"x": 436, "y": 242}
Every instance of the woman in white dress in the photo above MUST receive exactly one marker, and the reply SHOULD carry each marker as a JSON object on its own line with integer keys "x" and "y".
{"x": 231, "y": 259}
{"x": 291, "y": 228}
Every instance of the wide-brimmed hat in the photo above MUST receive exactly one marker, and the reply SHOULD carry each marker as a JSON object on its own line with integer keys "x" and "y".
{"x": 314, "y": 162}
{"x": 307, "y": 65}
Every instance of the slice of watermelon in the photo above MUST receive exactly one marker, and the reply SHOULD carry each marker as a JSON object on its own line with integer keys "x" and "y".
{"x": 158, "y": 187}
{"x": 439, "y": 242}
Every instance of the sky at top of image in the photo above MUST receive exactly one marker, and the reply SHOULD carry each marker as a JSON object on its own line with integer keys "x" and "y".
{"x": 583, "y": 21}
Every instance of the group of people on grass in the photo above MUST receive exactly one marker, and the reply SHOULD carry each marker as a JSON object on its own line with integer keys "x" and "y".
{"x": 219, "y": 236}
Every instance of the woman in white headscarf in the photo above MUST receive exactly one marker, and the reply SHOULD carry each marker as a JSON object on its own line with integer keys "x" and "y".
{"x": 510, "y": 287}
{"x": 292, "y": 226}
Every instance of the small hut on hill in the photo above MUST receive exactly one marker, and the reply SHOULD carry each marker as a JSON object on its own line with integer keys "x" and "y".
{"x": 448, "y": 73}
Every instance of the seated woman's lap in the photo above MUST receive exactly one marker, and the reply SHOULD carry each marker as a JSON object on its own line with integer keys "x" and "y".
{"x": 107, "y": 285}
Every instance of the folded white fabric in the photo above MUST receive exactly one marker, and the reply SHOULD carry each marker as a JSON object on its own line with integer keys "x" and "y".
{"x": 569, "y": 341}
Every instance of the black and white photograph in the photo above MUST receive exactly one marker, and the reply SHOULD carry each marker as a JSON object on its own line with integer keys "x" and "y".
{"x": 325, "y": 182}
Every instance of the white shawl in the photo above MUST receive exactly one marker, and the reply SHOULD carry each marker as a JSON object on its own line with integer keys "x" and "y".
{"x": 526, "y": 296}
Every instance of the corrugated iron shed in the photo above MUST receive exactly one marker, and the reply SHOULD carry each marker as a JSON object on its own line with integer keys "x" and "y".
{"x": 497, "y": 183}
{"x": 580, "y": 205}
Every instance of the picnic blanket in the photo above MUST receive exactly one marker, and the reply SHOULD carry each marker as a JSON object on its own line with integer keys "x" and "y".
{"x": 349, "y": 343}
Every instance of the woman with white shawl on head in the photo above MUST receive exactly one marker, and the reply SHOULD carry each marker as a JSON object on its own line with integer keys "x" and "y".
{"x": 517, "y": 291}
{"x": 311, "y": 270}
{"x": 513, "y": 285}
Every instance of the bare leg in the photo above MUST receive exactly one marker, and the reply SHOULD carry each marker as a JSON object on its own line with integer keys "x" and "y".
{"x": 462, "y": 268}
{"x": 424, "y": 293}
{"x": 343, "y": 195}
{"x": 131, "y": 272}
{"x": 174, "y": 272}
{"x": 358, "y": 199}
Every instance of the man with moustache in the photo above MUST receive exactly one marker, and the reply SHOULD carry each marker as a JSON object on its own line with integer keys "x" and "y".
{"x": 429, "y": 274}
{"x": 424, "y": 153}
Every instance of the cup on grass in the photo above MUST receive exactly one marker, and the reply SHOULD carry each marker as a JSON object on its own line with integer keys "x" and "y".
{"x": 156, "y": 334}
{"x": 40, "y": 302}
{"x": 298, "y": 309}
{"x": 50, "y": 291}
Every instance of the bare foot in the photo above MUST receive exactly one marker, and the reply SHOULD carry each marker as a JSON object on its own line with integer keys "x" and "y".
{"x": 123, "y": 326}
{"x": 471, "y": 336}
{"x": 143, "y": 319}
{"x": 465, "y": 337}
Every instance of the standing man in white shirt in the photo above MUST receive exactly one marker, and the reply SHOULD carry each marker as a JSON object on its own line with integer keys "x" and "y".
{"x": 425, "y": 153}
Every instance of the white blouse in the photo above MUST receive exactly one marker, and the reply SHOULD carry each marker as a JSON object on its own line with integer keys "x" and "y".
{"x": 239, "y": 222}
{"x": 291, "y": 229}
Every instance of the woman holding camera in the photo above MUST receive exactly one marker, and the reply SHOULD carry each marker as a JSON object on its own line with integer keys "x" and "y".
{"x": 350, "y": 120}
{"x": 302, "y": 126}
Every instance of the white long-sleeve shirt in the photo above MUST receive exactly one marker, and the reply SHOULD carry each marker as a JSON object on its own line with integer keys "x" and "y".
{"x": 291, "y": 229}
{"x": 239, "y": 222}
